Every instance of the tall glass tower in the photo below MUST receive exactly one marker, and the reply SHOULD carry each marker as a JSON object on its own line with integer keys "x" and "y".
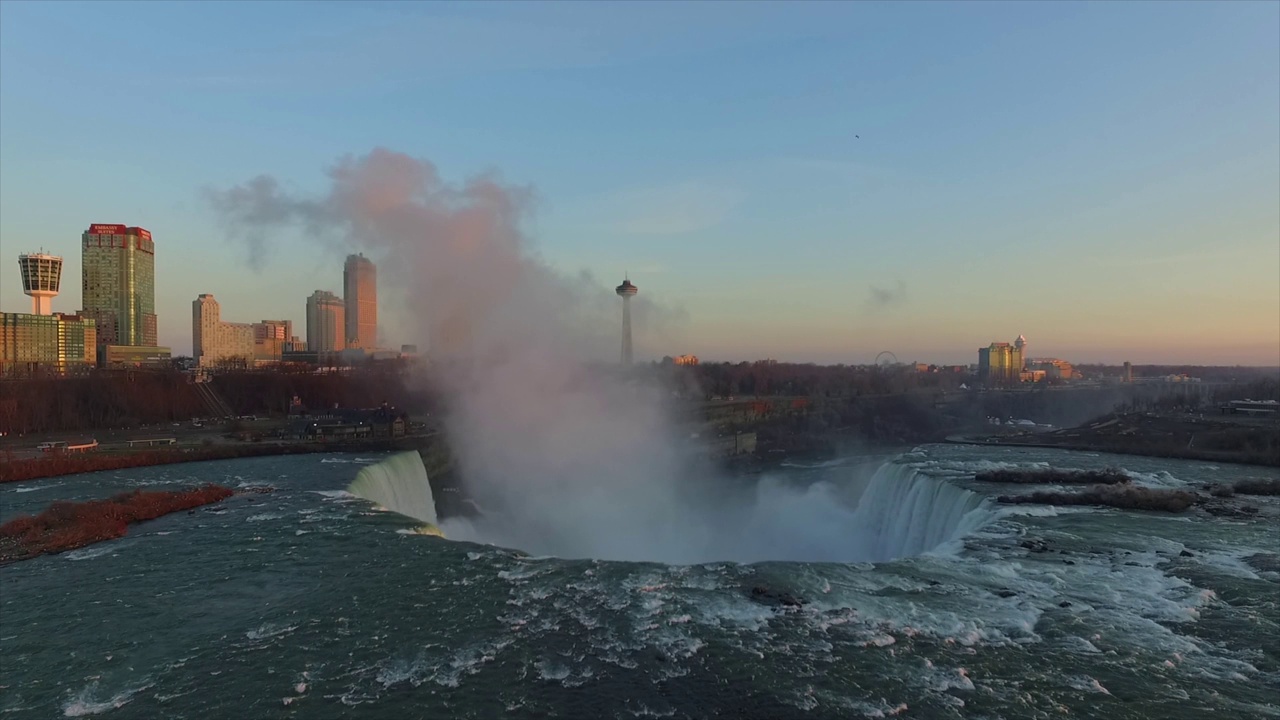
{"x": 119, "y": 284}
{"x": 360, "y": 290}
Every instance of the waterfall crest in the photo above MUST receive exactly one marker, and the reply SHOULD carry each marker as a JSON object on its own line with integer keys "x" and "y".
{"x": 904, "y": 512}
{"x": 398, "y": 484}
{"x": 896, "y": 512}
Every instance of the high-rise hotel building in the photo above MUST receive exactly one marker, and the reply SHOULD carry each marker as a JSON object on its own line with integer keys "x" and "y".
{"x": 325, "y": 322}
{"x": 215, "y": 342}
{"x": 119, "y": 284}
{"x": 360, "y": 286}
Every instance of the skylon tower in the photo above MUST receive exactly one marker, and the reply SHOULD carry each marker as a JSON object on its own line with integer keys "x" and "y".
{"x": 626, "y": 291}
{"x": 41, "y": 279}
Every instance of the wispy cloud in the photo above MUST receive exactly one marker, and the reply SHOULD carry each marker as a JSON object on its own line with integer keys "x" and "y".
{"x": 671, "y": 209}
{"x": 881, "y": 298}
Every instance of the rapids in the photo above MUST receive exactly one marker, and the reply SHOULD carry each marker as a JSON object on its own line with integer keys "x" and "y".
{"x": 307, "y": 602}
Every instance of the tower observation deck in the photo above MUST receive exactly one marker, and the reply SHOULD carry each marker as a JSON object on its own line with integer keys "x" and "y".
{"x": 41, "y": 279}
{"x": 626, "y": 291}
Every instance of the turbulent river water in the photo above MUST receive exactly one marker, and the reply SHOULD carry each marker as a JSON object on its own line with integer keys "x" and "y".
{"x": 921, "y": 599}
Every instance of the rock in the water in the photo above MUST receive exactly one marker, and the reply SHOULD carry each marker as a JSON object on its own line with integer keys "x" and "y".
{"x": 764, "y": 595}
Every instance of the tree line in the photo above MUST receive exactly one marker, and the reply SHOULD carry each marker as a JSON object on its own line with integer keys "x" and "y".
{"x": 129, "y": 399}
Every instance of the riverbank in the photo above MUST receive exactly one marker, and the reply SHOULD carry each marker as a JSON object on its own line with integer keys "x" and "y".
{"x": 19, "y": 469}
{"x": 67, "y": 526}
{"x": 1246, "y": 441}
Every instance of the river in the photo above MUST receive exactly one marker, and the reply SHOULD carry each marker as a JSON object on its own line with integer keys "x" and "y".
{"x": 309, "y": 602}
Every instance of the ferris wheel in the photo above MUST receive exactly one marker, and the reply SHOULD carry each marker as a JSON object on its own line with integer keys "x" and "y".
{"x": 886, "y": 359}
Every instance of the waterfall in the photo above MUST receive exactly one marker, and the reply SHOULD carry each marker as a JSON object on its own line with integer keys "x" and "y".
{"x": 897, "y": 513}
{"x": 903, "y": 512}
{"x": 398, "y": 484}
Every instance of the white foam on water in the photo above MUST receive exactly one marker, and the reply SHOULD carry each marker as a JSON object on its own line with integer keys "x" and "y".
{"x": 85, "y": 702}
{"x": 1087, "y": 684}
{"x": 90, "y": 552}
{"x": 551, "y": 670}
{"x": 1161, "y": 479}
{"x": 40, "y": 486}
{"x": 268, "y": 630}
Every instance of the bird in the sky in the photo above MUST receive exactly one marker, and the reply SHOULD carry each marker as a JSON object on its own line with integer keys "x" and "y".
{"x": 858, "y": 136}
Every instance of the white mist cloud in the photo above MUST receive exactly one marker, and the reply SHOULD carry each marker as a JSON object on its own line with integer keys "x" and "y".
{"x": 564, "y": 457}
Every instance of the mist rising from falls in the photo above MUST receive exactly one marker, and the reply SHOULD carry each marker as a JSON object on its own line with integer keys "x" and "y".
{"x": 897, "y": 512}
{"x": 567, "y": 456}
{"x": 399, "y": 484}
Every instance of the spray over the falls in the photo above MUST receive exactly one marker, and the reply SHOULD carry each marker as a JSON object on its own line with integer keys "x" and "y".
{"x": 567, "y": 456}
{"x": 897, "y": 512}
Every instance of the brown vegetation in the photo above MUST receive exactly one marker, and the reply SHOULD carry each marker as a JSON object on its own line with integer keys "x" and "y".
{"x": 69, "y": 525}
{"x": 1109, "y": 476}
{"x": 1124, "y": 496}
{"x": 111, "y": 399}
{"x": 1213, "y": 437}
{"x": 13, "y": 470}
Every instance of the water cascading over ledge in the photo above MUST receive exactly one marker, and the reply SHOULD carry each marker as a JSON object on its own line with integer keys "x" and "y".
{"x": 899, "y": 513}
{"x": 399, "y": 484}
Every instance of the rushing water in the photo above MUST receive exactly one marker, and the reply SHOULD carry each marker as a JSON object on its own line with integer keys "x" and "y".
{"x": 308, "y": 602}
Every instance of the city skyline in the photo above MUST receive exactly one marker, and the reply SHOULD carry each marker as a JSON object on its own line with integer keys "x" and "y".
{"x": 811, "y": 185}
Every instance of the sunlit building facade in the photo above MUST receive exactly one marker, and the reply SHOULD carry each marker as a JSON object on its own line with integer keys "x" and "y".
{"x": 118, "y": 285}
{"x": 271, "y": 338}
{"x": 360, "y": 288}
{"x": 56, "y": 344}
{"x": 326, "y": 327}
{"x": 1055, "y": 369}
{"x": 1000, "y": 363}
{"x": 128, "y": 357}
{"x": 214, "y": 342}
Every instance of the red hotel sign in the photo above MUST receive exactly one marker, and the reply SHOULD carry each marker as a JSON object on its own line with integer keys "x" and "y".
{"x": 100, "y": 229}
{"x": 140, "y": 232}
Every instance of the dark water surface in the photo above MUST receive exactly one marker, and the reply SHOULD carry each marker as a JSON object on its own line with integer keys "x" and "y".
{"x": 308, "y": 603}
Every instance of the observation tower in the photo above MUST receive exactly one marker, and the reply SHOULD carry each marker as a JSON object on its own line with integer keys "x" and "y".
{"x": 41, "y": 279}
{"x": 626, "y": 291}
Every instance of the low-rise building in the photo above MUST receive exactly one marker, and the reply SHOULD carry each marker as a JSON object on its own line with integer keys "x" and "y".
{"x": 115, "y": 357}
{"x": 54, "y": 344}
{"x": 347, "y": 424}
{"x": 1054, "y": 368}
{"x": 270, "y": 339}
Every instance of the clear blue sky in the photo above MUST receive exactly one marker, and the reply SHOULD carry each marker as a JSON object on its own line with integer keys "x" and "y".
{"x": 1103, "y": 177}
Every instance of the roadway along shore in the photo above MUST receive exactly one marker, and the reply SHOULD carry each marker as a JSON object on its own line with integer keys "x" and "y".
{"x": 16, "y": 469}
